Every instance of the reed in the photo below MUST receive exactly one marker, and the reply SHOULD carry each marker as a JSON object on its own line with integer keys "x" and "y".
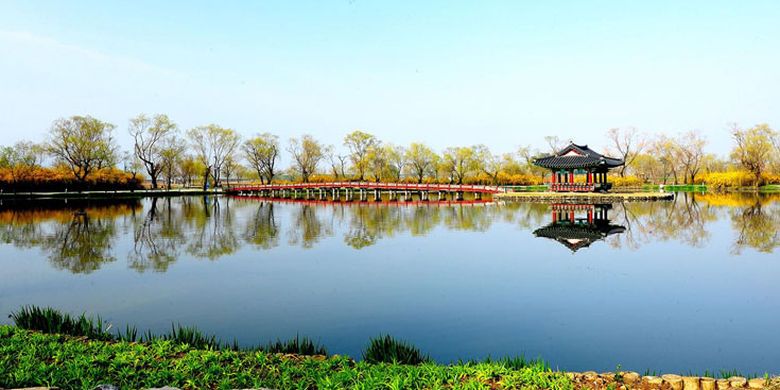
{"x": 299, "y": 346}
{"x": 386, "y": 349}
{"x": 48, "y": 320}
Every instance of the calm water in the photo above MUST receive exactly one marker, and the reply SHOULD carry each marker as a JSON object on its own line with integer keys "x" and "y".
{"x": 673, "y": 286}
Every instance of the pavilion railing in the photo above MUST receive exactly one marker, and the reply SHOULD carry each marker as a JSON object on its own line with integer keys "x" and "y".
{"x": 572, "y": 187}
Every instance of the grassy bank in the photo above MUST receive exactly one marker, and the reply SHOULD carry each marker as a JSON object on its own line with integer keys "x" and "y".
{"x": 29, "y": 358}
{"x": 50, "y": 348}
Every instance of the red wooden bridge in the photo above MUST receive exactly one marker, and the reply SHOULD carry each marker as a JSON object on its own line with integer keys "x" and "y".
{"x": 393, "y": 191}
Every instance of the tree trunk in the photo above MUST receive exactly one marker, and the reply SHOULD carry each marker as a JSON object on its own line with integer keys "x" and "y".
{"x": 206, "y": 178}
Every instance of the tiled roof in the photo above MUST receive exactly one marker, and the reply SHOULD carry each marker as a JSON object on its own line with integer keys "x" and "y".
{"x": 577, "y": 156}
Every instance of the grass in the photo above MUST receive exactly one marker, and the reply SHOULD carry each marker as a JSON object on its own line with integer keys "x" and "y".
{"x": 686, "y": 187}
{"x": 770, "y": 188}
{"x": 30, "y": 358}
{"x": 49, "y": 320}
{"x": 536, "y": 188}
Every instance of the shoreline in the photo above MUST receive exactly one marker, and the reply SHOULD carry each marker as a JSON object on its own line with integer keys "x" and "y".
{"x": 172, "y": 364}
{"x": 119, "y": 194}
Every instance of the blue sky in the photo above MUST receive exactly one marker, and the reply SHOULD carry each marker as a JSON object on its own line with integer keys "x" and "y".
{"x": 445, "y": 73}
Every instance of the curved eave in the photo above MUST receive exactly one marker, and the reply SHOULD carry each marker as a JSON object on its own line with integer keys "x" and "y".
{"x": 572, "y": 162}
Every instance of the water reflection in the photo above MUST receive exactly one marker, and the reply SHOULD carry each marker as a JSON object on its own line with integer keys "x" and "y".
{"x": 81, "y": 236}
{"x": 76, "y": 235}
{"x": 577, "y": 226}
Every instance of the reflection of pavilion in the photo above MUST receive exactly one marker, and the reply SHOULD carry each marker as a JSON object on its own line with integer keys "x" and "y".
{"x": 578, "y": 225}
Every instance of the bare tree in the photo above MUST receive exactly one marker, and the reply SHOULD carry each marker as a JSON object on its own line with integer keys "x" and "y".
{"x": 338, "y": 163}
{"x": 149, "y": 134}
{"x": 628, "y": 143}
{"x": 554, "y": 143}
{"x": 691, "y": 146}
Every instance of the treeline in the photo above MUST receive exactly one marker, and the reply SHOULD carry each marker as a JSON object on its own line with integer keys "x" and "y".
{"x": 81, "y": 153}
{"x": 753, "y": 161}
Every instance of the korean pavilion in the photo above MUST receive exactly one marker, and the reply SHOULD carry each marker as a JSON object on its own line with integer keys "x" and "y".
{"x": 579, "y": 160}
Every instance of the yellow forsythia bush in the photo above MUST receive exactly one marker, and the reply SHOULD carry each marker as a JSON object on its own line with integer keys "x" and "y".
{"x": 61, "y": 178}
{"x": 628, "y": 181}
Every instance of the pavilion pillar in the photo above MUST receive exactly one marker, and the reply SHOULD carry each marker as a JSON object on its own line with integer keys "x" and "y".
{"x": 571, "y": 177}
{"x": 590, "y": 216}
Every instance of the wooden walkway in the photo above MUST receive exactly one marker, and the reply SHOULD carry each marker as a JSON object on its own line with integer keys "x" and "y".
{"x": 361, "y": 191}
{"x": 370, "y": 186}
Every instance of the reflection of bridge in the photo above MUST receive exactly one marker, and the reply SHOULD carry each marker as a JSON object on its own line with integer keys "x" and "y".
{"x": 348, "y": 191}
{"x": 411, "y": 203}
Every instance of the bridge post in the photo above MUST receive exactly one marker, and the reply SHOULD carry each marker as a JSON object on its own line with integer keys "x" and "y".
{"x": 377, "y": 195}
{"x": 458, "y": 195}
{"x": 477, "y": 196}
{"x": 333, "y": 194}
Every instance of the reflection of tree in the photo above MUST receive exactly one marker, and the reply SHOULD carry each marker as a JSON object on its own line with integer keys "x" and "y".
{"x": 214, "y": 234}
{"x": 307, "y": 228}
{"x": 684, "y": 219}
{"x": 371, "y": 223}
{"x": 423, "y": 219}
{"x": 468, "y": 217}
{"x": 262, "y": 230}
{"x": 81, "y": 245}
{"x": 21, "y": 232}
{"x": 757, "y": 227}
{"x": 156, "y": 238}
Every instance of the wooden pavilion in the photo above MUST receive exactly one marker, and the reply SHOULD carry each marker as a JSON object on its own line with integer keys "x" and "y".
{"x": 579, "y": 160}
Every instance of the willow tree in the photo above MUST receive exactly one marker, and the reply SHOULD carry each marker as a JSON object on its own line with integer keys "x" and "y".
{"x": 420, "y": 160}
{"x": 360, "y": 145}
{"x": 150, "y": 134}
{"x": 307, "y": 153}
{"x": 21, "y": 159}
{"x": 460, "y": 162}
{"x": 213, "y": 145}
{"x": 262, "y": 152}
{"x": 83, "y": 143}
{"x": 754, "y": 149}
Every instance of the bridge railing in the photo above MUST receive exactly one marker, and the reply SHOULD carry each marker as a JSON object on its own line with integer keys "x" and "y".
{"x": 374, "y": 185}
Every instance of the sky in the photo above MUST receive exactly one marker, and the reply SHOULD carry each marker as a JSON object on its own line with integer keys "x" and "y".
{"x": 446, "y": 73}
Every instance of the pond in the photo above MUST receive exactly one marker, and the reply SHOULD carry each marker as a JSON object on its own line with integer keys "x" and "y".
{"x": 683, "y": 285}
